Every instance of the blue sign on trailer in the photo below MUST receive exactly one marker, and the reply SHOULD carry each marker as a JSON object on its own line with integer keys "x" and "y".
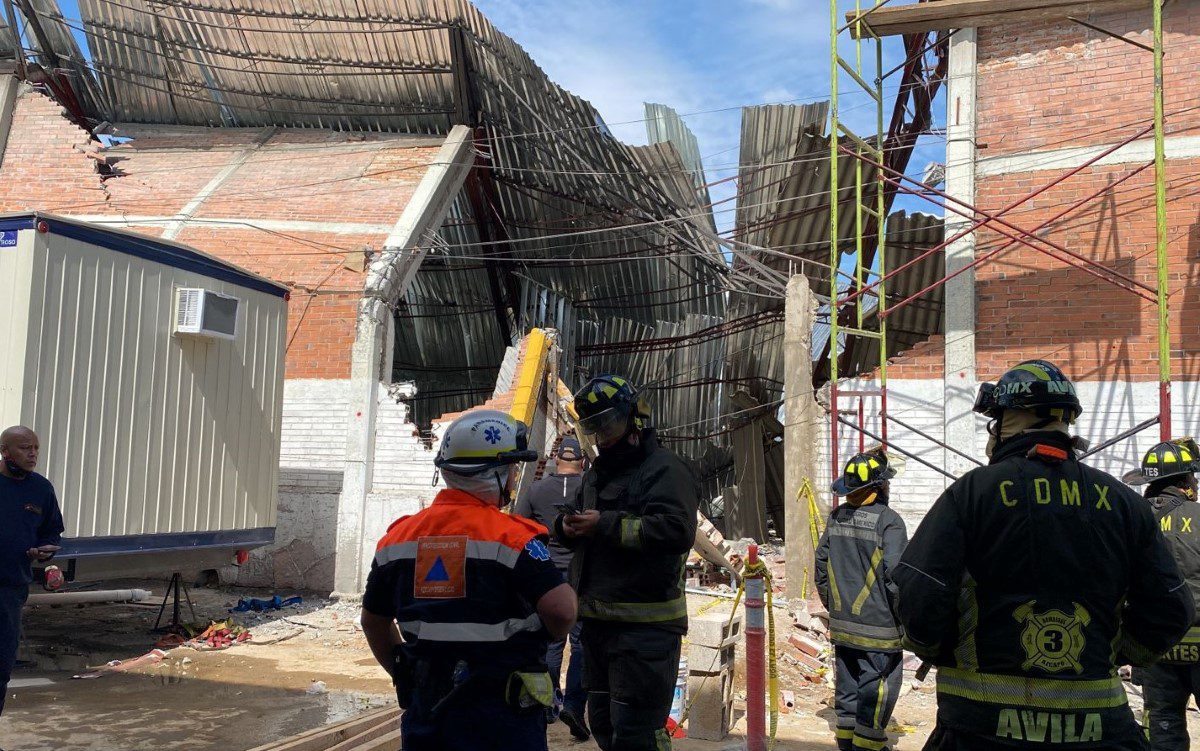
{"x": 8, "y": 239}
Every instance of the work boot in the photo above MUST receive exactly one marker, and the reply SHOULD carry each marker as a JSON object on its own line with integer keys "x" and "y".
{"x": 579, "y": 729}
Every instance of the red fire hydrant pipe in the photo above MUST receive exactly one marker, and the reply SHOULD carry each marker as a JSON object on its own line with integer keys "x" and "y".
{"x": 756, "y": 674}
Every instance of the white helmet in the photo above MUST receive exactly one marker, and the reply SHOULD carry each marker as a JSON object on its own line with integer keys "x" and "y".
{"x": 482, "y": 440}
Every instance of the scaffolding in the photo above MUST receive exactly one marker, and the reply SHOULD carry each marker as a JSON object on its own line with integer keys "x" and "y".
{"x": 884, "y": 156}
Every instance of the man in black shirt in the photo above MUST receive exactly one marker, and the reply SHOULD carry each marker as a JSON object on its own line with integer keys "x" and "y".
{"x": 541, "y": 504}
{"x": 31, "y": 527}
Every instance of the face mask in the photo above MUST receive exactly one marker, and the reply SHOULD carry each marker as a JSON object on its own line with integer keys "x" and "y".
{"x": 490, "y": 486}
{"x": 1014, "y": 422}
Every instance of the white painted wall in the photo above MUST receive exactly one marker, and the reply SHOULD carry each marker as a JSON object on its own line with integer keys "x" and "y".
{"x": 1109, "y": 408}
{"x": 316, "y": 414}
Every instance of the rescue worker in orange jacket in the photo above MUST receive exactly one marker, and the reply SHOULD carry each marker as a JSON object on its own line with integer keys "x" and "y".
{"x": 462, "y": 600}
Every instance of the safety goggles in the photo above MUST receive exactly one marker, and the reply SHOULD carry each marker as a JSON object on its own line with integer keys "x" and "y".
{"x": 605, "y": 426}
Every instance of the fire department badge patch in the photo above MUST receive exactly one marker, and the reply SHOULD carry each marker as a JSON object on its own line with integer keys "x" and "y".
{"x": 1052, "y": 640}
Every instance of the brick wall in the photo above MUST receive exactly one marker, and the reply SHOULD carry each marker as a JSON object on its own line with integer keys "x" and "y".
{"x": 1061, "y": 84}
{"x": 348, "y": 189}
{"x": 1050, "y": 86}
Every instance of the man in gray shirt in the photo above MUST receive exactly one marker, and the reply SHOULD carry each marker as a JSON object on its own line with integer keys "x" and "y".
{"x": 541, "y": 504}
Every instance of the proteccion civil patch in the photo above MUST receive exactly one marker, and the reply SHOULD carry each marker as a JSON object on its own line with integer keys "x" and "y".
{"x": 441, "y": 570}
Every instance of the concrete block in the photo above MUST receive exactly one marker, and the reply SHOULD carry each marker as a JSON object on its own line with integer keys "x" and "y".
{"x": 705, "y": 660}
{"x": 711, "y": 711}
{"x": 714, "y": 630}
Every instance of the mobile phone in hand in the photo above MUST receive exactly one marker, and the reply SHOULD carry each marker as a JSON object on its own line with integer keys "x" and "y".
{"x": 566, "y": 508}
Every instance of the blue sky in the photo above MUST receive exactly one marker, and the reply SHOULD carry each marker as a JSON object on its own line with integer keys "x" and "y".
{"x": 694, "y": 55}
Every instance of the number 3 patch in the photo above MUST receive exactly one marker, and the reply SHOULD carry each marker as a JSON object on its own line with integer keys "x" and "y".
{"x": 441, "y": 570}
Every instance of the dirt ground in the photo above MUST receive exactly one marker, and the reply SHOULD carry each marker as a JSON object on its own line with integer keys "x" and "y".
{"x": 254, "y": 694}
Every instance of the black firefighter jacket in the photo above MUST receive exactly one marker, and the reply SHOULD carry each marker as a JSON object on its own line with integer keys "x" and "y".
{"x": 859, "y": 550}
{"x": 1028, "y": 583}
{"x": 632, "y": 569}
{"x": 1179, "y": 520}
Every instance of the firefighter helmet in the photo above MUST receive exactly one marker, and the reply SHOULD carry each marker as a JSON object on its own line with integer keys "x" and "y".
{"x": 608, "y": 406}
{"x": 1032, "y": 385}
{"x": 1166, "y": 459}
{"x": 864, "y": 471}
{"x": 483, "y": 439}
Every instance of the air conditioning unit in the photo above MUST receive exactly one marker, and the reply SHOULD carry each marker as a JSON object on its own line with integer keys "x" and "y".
{"x": 203, "y": 313}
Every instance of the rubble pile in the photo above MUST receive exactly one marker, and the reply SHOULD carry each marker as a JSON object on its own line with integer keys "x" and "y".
{"x": 807, "y": 647}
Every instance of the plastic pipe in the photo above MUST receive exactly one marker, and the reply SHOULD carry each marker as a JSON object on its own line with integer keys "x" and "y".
{"x": 78, "y": 598}
{"x": 756, "y": 674}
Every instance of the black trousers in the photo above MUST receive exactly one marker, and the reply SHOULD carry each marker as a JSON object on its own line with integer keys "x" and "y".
{"x": 867, "y": 686}
{"x": 12, "y": 599}
{"x": 629, "y": 672}
{"x": 1168, "y": 688}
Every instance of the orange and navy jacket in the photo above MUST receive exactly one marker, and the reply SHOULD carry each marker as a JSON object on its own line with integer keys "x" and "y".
{"x": 462, "y": 579}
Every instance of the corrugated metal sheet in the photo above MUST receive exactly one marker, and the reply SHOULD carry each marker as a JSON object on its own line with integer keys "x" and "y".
{"x": 785, "y": 209}
{"x": 772, "y": 136}
{"x": 664, "y": 125}
{"x": 62, "y": 43}
{"x": 144, "y": 432}
{"x": 908, "y": 235}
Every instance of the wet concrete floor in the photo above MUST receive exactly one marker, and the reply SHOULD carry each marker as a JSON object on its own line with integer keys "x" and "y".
{"x": 231, "y": 700}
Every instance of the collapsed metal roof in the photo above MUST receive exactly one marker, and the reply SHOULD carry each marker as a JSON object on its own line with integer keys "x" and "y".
{"x": 784, "y": 217}
{"x": 622, "y": 236}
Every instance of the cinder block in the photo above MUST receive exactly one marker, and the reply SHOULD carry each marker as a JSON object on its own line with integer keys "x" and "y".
{"x": 711, "y": 713}
{"x": 704, "y": 660}
{"x": 714, "y": 630}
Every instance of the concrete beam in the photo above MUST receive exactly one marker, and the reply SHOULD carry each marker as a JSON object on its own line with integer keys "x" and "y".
{"x": 238, "y": 223}
{"x": 387, "y": 280}
{"x": 802, "y": 419}
{"x": 1060, "y": 160}
{"x": 9, "y": 88}
{"x": 189, "y": 210}
{"x": 960, "y": 380}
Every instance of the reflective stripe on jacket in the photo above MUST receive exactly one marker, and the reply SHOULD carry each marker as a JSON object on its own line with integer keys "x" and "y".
{"x": 632, "y": 569}
{"x": 462, "y": 580}
{"x": 860, "y": 548}
{"x": 1027, "y": 584}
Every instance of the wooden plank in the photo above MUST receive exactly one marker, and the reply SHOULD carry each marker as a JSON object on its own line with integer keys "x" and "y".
{"x": 389, "y": 742}
{"x": 943, "y": 15}
{"x": 321, "y": 738}
{"x": 361, "y": 740}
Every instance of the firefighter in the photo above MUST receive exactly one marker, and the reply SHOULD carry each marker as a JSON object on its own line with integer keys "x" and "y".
{"x": 1032, "y": 578}
{"x": 862, "y": 545}
{"x": 631, "y": 538}
{"x": 462, "y": 600}
{"x": 1169, "y": 471}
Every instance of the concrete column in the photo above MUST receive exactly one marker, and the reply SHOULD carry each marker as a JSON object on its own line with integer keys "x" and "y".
{"x": 9, "y": 91}
{"x": 802, "y": 418}
{"x": 748, "y": 516}
{"x": 387, "y": 280}
{"x": 960, "y": 381}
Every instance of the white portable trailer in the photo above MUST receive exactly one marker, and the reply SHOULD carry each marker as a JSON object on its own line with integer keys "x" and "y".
{"x": 153, "y": 375}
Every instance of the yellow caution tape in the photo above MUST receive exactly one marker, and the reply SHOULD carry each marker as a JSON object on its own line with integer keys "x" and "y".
{"x": 772, "y": 662}
{"x": 816, "y": 526}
